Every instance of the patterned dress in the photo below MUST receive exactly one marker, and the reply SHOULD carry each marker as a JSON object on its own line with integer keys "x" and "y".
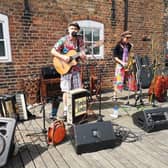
{"x": 120, "y": 51}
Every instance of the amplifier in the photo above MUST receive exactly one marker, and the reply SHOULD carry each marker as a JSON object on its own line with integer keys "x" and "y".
{"x": 152, "y": 119}
{"x": 77, "y": 104}
{"x": 49, "y": 72}
{"x": 7, "y": 129}
{"x": 90, "y": 137}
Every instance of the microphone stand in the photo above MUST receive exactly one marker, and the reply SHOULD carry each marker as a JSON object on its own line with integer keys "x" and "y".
{"x": 44, "y": 130}
{"x": 139, "y": 82}
{"x": 87, "y": 82}
{"x": 99, "y": 118}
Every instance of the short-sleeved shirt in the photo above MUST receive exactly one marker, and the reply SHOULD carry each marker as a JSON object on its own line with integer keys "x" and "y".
{"x": 66, "y": 44}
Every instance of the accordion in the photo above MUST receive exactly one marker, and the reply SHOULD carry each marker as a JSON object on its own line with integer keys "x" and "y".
{"x": 13, "y": 106}
{"x": 21, "y": 108}
{"x": 7, "y": 106}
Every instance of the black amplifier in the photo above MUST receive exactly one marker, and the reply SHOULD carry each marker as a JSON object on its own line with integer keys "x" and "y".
{"x": 49, "y": 72}
{"x": 152, "y": 119}
{"x": 90, "y": 137}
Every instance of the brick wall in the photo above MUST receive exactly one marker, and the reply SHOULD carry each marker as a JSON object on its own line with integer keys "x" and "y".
{"x": 166, "y": 31}
{"x": 33, "y": 34}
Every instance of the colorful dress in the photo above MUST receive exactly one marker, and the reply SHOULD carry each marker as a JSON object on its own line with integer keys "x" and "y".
{"x": 121, "y": 52}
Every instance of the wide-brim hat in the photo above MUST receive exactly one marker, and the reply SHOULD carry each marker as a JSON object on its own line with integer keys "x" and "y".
{"x": 126, "y": 34}
{"x": 75, "y": 24}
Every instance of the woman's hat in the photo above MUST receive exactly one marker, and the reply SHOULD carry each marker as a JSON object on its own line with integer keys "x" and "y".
{"x": 75, "y": 24}
{"x": 126, "y": 34}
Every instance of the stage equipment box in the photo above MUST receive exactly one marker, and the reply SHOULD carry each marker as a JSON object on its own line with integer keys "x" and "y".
{"x": 152, "y": 119}
{"x": 90, "y": 137}
{"x": 77, "y": 105}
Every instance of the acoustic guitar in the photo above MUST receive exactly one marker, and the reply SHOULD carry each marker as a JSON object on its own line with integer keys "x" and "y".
{"x": 62, "y": 67}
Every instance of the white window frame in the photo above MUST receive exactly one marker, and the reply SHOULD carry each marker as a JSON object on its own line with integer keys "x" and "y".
{"x": 5, "y": 26}
{"x": 97, "y": 25}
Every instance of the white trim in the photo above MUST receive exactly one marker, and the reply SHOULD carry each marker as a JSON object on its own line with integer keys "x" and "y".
{"x": 98, "y": 25}
{"x": 5, "y": 26}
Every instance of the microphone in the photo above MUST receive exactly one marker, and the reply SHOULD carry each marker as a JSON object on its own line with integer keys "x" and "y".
{"x": 75, "y": 34}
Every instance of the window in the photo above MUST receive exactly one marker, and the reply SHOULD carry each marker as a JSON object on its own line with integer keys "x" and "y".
{"x": 5, "y": 50}
{"x": 93, "y": 35}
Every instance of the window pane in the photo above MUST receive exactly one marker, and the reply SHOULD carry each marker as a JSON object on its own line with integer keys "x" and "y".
{"x": 88, "y": 34}
{"x": 96, "y": 50}
{"x": 1, "y": 31}
{"x": 88, "y": 47}
{"x": 2, "y": 49}
{"x": 96, "y": 35}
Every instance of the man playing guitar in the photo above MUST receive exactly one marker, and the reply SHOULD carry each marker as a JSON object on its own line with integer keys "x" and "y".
{"x": 71, "y": 42}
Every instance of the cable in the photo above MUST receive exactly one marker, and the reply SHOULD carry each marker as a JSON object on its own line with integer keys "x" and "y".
{"x": 124, "y": 134}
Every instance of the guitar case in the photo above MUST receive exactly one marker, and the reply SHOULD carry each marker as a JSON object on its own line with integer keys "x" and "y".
{"x": 56, "y": 132}
{"x": 144, "y": 71}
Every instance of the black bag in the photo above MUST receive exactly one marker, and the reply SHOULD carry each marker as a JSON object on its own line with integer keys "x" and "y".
{"x": 49, "y": 72}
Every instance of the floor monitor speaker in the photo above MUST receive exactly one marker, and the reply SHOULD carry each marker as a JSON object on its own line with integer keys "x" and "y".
{"x": 152, "y": 119}
{"x": 7, "y": 129}
{"x": 90, "y": 137}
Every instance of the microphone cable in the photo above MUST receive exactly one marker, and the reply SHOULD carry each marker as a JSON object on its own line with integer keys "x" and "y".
{"x": 124, "y": 134}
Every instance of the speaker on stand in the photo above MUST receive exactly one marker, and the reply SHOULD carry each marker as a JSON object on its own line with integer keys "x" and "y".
{"x": 7, "y": 130}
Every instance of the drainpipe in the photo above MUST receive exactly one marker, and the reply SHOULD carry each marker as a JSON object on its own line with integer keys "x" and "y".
{"x": 125, "y": 15}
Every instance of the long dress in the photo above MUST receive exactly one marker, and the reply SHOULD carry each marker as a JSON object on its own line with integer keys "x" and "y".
{"x": 120, "y": 72}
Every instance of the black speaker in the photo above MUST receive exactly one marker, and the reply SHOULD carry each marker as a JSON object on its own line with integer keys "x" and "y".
{"x": 90, "y": 137}
{"x": 49, "y": 72}
{"x": 7, "y": 129}
{"x": 152, "y": 119}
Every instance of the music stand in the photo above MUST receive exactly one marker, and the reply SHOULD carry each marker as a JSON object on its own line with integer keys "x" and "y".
{"x": 43, "y": 111}
{"x": 44, "y": 101}
{"x": 44, "y": 130}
